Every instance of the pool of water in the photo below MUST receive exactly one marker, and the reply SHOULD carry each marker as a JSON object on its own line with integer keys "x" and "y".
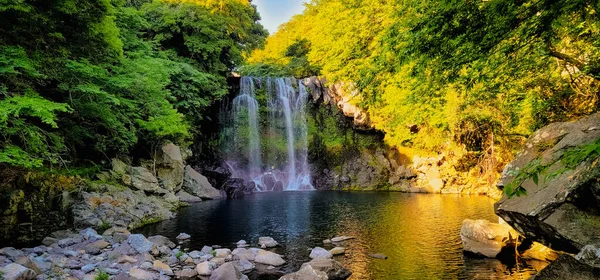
{"x": 418, "y": 232}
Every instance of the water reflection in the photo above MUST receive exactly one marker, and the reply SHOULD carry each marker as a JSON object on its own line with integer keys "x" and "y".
{"x": 419, "y": 233}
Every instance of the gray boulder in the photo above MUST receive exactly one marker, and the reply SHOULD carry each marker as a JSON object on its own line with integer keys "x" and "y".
{"x": 139, "y": 243}
{"x": 267, "y": 242}
{"x": 197, "y": 185}
{"x": 142, "y": 179}
{"x": 555, "y": 211}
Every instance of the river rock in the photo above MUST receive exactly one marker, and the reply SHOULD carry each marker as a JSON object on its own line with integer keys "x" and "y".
{"x": 170, "y": 167}
{"x": 337, "y": 251}
{"x": 334, "y": 269}
{"x": 15, "y": 271}
{"x": 186, "y": 273}
{"x": 142, "y": 274}
{"x": 278, "y": 187}
{"x": 267, "y": 242}
{"x": 305, "y": 273}
{"x": 96, "y": 247}
{"x": 139, "y": 243}
{"x": 162, "y": 267}
{"x": 227, "y": 271}
{"x": 183, "y": 236}
{"x": 269, "y": 258}
{"x": 320, "y": 253}
{"x": 567, "y": 267}
{"x": 197, "y": 185}
{"x": 486, "y": 238}
{"x": 244, "y": 254}
{"x": 159, "y": 240}
{"x": 222, "y": 253}
{"x": 244, "y": 265}
{"x": 207, "y": 250}
{"x": 11, "y": 253}
{"x": 555, "y": 210}
{"x": 235, "y": 188}
{"x": 186, "y": 197}
{"x": 205, "y": 268}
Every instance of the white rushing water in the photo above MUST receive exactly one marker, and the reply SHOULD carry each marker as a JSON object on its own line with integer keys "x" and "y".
{"x": 286, "y": 122}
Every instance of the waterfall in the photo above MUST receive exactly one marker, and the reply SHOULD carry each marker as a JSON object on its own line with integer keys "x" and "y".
{"x": 284, "y": 135}
{"x": 246, "y": 106}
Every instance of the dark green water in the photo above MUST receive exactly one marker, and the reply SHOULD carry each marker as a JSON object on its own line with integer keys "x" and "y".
{"x": 418, "y": 232}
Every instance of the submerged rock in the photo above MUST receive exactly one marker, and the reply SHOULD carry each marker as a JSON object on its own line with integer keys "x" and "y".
{"x": 558, "y": 209}
{"x": 378, "y": 256}
{"x": 540, "y": 252}
{"x": 337, "y": 251}
{"x": 486, "y": 238}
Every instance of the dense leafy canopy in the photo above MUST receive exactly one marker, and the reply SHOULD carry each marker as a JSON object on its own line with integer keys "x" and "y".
{"x": 87, "y": 79}
{"x": 477, "y": 74}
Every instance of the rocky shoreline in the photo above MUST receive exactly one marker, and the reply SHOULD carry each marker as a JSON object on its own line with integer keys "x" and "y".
{"x": 118, "y": 254}
{"x": 554, "y": 215}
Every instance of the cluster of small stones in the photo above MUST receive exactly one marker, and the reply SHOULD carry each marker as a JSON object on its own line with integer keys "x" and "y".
{"x": 118, "y": 254}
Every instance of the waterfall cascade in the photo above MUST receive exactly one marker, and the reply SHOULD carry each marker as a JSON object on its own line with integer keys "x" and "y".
{"x": 281, "y": 163}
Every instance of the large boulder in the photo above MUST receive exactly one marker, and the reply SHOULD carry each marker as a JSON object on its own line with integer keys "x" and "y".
{"x": 170, "y": 166}
{"x": 486, "y": 238}
{"x": 559, "y": 207}
{"x": 197, "y": 185}
{"x": 142, "y": 179}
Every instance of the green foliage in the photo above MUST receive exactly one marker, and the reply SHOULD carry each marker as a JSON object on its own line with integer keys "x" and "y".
{"x": 179, "y": 254}
{"x": 102, "y": 275}
{"x": 88, "y": 80}
{"x": 575, "y": 156}
{"x": 483, "y": 74}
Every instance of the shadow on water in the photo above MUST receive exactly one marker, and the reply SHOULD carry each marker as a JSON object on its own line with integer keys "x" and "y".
{"x": 418, "y": 232}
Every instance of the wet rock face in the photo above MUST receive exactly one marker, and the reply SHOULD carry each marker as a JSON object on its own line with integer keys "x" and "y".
{"x": 560, "y": 209}
{"x": 567, "y": 267}
{"x": 197, "y": 185}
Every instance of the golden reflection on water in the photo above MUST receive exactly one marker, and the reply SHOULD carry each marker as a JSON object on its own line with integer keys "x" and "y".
{"x": 421, "y": 238}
